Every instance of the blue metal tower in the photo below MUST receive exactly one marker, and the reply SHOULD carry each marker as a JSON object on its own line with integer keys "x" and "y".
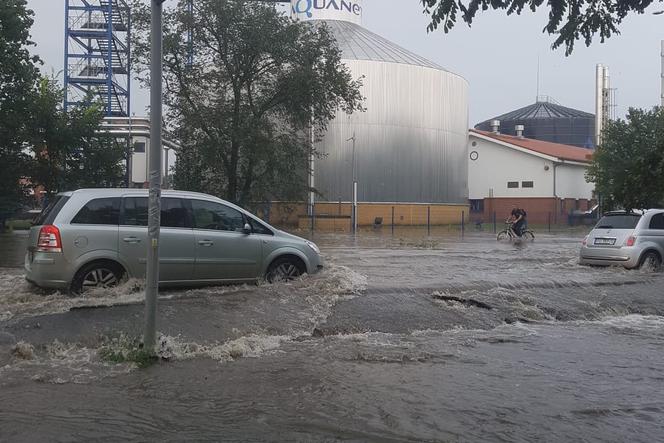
{"x": 97, "y": 54}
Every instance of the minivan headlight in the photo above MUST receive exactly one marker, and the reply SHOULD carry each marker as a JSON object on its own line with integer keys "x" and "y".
{"x": 314, "y": 247}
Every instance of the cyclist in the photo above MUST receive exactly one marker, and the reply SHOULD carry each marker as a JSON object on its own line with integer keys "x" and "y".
{"x": 518, "y": 220}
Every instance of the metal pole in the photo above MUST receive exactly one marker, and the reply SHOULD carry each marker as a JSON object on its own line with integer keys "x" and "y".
{"x": 66, "y": 65}
{"x": 154, "y": 203}
{"x": 662, "y": 74}
{"x": 463, "y": 223}
{"x": 428, "y": 220}
{"x": 354, "y": 209}
{"x": 312, "y": 165}
{"x": 166, "y": 186}
{"x": 392, "y": 219}
{"x": 495, "y": 225}
{"x": 129, "y": 155}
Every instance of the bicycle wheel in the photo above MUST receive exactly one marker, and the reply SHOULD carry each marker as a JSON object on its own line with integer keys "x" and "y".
{"x": 528, "y": 236}
{"x": 503, "y": 235}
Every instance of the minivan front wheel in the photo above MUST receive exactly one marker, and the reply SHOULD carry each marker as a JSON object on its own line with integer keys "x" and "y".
{"x": 284, "y": 269}
{"x": 103, "y": 274}
{"x": 651, "y": 261}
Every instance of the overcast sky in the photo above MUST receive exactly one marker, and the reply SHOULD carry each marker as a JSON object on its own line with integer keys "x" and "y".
{"x": 498, "y": 56}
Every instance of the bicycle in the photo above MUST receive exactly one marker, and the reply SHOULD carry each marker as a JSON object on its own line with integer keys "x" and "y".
{"x": 508, "y": 232}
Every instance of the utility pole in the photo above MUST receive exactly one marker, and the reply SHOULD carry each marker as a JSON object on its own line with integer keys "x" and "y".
{"x": 154, "y": 201}
{"x": 354, "y": 207}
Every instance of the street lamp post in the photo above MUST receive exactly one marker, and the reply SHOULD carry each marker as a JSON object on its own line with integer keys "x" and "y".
{"x": 354, "y": 204}
{"x": 154, "y": 202}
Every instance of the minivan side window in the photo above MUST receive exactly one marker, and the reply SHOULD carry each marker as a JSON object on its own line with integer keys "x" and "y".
{"x": 657, "y": 221}
{"x": 100, "y": 211}
{"x": 173, "y": 212}
{"x": 215, "y": 216}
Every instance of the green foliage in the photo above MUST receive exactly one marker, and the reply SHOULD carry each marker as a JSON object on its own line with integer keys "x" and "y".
{"x": 569, "y": 20}
{"x": 18, "y": 73}
{"x": 628, "y": 167}
{"x": 125, "y": 349}
{"x": 67, "y": 154}
{"x": 243, "y": 110}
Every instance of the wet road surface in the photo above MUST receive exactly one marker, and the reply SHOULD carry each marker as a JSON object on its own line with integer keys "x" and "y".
{"x": 399, "y": 339}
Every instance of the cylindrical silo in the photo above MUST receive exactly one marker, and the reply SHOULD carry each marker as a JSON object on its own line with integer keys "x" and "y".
{"x": 410, "y": 144}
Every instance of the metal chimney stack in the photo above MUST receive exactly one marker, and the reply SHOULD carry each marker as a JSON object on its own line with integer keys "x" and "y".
{"x": 519, "y": 130}
{"x": 602, "y": 100}
{"x": 495, "y": 126}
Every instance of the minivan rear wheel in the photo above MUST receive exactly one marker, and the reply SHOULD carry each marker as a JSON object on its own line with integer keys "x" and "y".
{"x": 102, "y": 274}
{"x": 284, "y": 269}
{"x": 651, "y": 261}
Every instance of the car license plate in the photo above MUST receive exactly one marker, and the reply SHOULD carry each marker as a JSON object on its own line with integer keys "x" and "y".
{"x": 605, "y": 241}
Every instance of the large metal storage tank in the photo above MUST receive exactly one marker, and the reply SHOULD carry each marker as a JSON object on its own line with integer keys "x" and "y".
{"x": 411, "y": 143}
{"x": 548, "y": 121}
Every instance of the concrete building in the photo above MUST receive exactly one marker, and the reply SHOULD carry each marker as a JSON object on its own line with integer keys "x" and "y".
{"x": 409, "y": 146}
{"x": 546, "y": 179}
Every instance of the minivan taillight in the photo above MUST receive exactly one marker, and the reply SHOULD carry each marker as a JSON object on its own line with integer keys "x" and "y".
{"x": 585, "y": 241}
{"x": 630, "y": 240}
{"x": 49, "y": 239}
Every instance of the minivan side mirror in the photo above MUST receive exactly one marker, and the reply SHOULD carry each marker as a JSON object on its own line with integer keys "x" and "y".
{"x": 247, "y": 229}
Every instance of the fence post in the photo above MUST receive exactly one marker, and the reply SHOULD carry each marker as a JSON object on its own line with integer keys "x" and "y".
{"x": 313, "y": 217}
{"x": 428, "y": 220}
{"x": 463, "y": 223}
{"x": 392, "y": 219}
{"x": 495, "y": 225}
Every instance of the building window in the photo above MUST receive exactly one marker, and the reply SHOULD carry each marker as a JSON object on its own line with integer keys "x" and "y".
{"x": 139, "y": 147}
{"x": 512, "y": 185}
{"x": 527, "y": 184}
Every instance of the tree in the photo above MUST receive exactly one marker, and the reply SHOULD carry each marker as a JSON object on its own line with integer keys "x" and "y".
{"x": 244, "y": 109}
{"x": 628, "y": 166}
{"x": 67, "y": 152}
{"x": 569, "y": 20}
{"x": 18, "y": 73}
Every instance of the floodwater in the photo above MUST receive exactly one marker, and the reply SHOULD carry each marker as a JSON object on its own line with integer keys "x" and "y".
{"x": 400, "y": 338}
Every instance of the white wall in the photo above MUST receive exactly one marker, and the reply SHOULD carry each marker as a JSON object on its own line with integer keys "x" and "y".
{"x": 496, "y": 165}
{"x": 139, "y": 162}
{"x": 571, "y": 182}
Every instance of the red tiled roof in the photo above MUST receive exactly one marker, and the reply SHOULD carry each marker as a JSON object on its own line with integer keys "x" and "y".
{"x": 560, "y": 151}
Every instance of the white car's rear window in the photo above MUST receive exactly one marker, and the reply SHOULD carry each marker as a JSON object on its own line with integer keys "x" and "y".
{"x": 618, "y": 221}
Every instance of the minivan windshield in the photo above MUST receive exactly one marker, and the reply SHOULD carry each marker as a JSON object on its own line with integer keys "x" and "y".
{"x": 51, "y": 211}
{"x": 618, "y": 221}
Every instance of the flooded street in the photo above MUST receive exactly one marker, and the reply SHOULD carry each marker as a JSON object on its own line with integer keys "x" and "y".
{"x": 400, "y": 338}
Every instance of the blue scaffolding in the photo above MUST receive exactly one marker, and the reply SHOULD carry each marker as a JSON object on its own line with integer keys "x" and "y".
{"x": 97, "y": 54}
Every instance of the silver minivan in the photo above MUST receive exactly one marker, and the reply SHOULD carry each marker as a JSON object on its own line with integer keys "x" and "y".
{"x": 627, "y": 238}
{"x": 96, "y": 237}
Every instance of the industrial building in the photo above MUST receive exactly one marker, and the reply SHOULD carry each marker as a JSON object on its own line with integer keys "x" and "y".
{"x": 548, "y": 121}
{"x": 546, "y": 179}
{"x": 409, "y": 148}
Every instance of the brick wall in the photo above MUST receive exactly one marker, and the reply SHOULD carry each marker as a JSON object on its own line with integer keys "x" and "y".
{"x": 540, "y": 210}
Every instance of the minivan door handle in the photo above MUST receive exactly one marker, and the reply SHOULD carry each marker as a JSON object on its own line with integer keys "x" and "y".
{"x": 206, "y": 243}
{"x": 131, "y": 240}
